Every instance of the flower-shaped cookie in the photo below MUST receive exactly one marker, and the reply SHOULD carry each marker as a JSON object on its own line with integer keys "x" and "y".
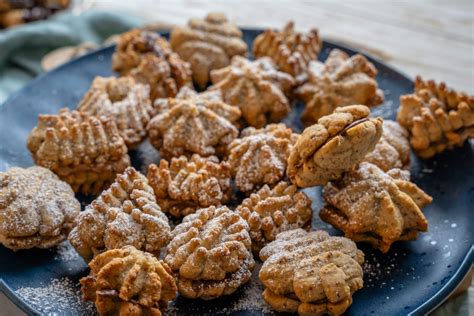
{"x": 380, "y": 208}
{"x": 148, "y": 57}
{"x": 311, "y": 273}
{"x": 188, "y": 126}
{"x": 438, "y": 118}
{"x": 260, "y": 156}
{"x": 36, "y": 208}
{"x": 123, "y": 100}
{"x": 181, "y": 186}
{"x": 332, "y": 146}
{"x": 207, "y": 44}
{"x": 340, "y": 81}
{"x": 85, "y": 151}
{"x": 291, "y": 51}
{"x": 272, "y": 211}
{"x": 126, "y": 214}
{"x": 128, "y": 281}
{"x": 208, "y": 99}
{"x": 393, "y": 148}
{"x": 256, "y": 87}
{"x": 210, "y": 253}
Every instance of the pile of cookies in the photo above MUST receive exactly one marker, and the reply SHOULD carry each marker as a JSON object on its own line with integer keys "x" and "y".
{"x": 220, "y": 144}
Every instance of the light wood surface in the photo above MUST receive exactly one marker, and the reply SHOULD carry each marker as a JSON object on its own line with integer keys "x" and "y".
{"x": 432, "y": 38}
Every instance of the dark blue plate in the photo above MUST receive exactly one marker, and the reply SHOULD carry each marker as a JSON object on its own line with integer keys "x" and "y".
{"x": 414, "y": 277}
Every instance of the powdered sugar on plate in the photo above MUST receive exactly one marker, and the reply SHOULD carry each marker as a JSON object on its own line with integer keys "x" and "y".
{"x": 59, "y": 297}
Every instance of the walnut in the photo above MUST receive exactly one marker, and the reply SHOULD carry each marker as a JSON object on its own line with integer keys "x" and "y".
{"x": 393, "y": 148}
{"x": 123, "y": 100}
{"x": 36, "y": 208}
{"x": 182, "y": 186}
{"x": 207, "y": 44}
{"x": 148, "y": 57}
{"x": 291, "y": 51}
{"x": 340, "y": 81}
{"x": 256, "y": 87}
{"x": 332, "y": 146}
{"x": 128, "y": 281}
{"x": 210, "y": 253}
{"x": 125, "y": 214}
{"x": 85, "y": 151}
{"x": 188, "y": 126}
{"x": 438, "y": 118}
{"x": 259, "y": 156}
{"x": 311, "y": 273}
{"x": 380, "y": 208}
{"x": 272, "y": 211}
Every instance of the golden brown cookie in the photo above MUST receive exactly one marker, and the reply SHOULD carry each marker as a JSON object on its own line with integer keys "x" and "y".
{"x": 125, "y": 214}
{"x": 128, "y": 281}
{"x": 148, "y": 57}
{"x": 211, "y": 100}
{"x": 334, "y": 145}
{"x": 192, "y": 125}
{"x": 339, "y": 81}
{"x": 311, "y": 273}
{"x": 36, "y": 208}
{"x": 438, "y": 118}
{"x": 183, "y": 185}
{"x": 85, "y": 151}
{"x": 272, "y": 211}
{"x": 393, "y": 148}
{"x": 380, "y": 208}
{"x": 260, "y": 156}
{"x": 207, "y": 44}
{"x": 125, "y": 101}
{"x": 291, "y": 51}
{"x": 256, "y": 87}
{"x": 210, "y": 253}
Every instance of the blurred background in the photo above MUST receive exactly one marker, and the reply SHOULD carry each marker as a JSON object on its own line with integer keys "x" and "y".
{"x": 431, "y": 38}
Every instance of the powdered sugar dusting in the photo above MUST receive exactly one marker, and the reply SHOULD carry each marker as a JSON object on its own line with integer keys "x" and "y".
{"x": 252, "y": 296}
{"x": 65, "y": 252}
{"x": 59, "y": 297}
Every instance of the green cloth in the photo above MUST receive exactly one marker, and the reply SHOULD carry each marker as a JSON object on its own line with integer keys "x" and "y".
{"x": 22, "y": 47}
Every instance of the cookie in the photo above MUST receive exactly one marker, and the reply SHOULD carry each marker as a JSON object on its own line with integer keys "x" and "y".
{"x": 210, "y": 253}
{"x": 125, "y": 101}
{"x": 148, "y": 57}
{"x": 85, "y": 151}
{"x": 437, "y": 117}
{"x": 311, "y": 273}
{"x": 184, "y": 185}
{"x": 256, "y": 87}
{"x": 393, "y": 148}
{"x": 128, "y": 281}
{"x": 207, "y": 44}
{"x": 332, "y": 146}
{"x": 291, "y": 51}
{"x": 260, "y": 156}
{"x": 126, "y": 214}
{"x": 376, "y": 207}
{"x": 36, "y": 208}
{"x": 339, "y": 81}
{"x": 270, "y": 211}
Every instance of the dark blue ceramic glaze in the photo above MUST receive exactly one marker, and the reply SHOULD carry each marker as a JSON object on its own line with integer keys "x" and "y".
{"x": 413, "y": 278}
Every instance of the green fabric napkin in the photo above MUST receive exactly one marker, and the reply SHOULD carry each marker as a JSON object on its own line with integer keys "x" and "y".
{"x": 22, "y": 47}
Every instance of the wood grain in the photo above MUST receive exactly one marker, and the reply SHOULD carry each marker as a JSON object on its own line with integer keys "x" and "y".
{"x": 432, "y": 38}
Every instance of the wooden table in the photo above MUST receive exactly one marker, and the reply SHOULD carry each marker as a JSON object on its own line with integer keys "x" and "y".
{"x": 432, "y": 38}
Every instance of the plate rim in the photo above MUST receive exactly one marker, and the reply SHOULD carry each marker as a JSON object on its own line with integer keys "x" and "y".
{"x": 430, "y": 305}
